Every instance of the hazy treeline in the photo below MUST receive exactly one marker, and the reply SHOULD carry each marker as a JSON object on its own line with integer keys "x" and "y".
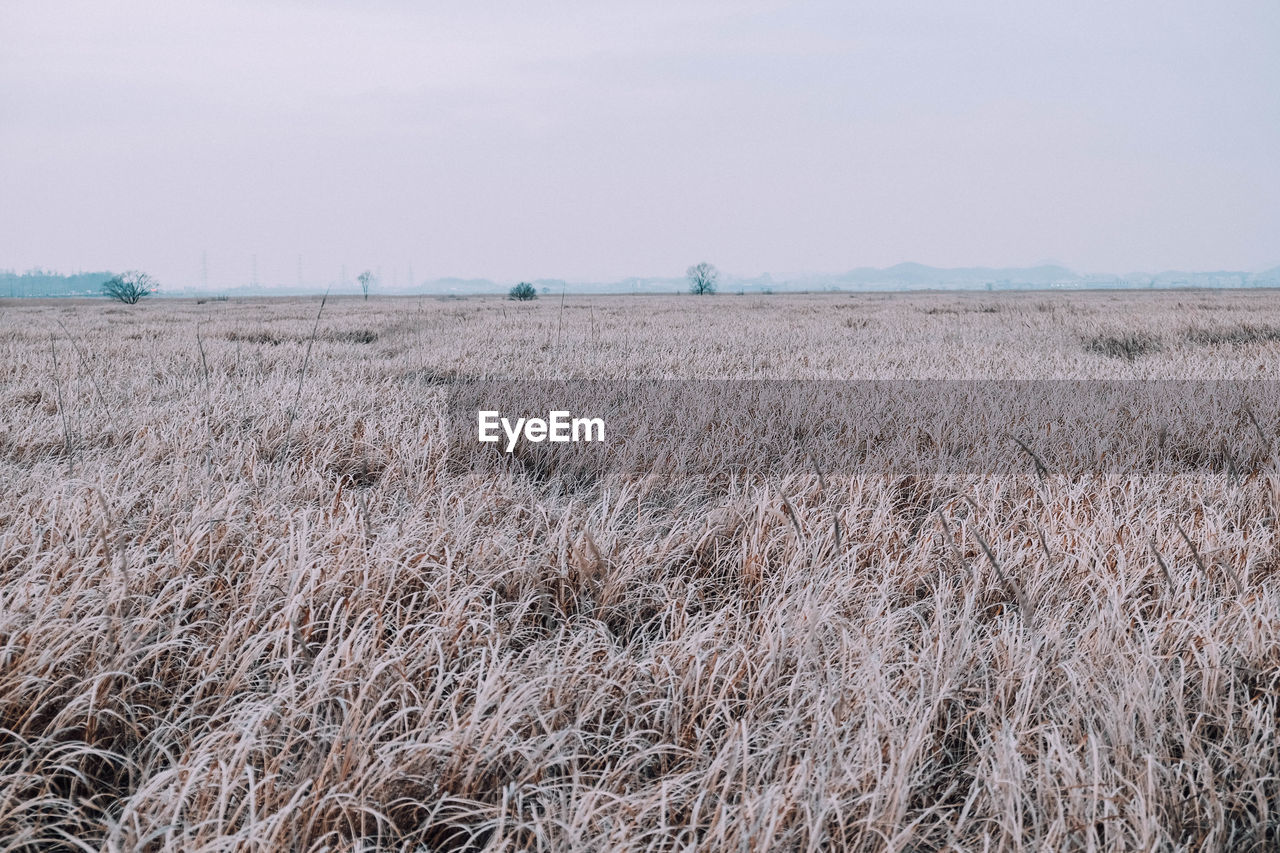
{"x": 902, "y": 277}
{"x": 39, "y": 282}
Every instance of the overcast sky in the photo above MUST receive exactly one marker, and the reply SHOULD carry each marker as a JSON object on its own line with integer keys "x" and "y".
{"x": 598, "y": 140}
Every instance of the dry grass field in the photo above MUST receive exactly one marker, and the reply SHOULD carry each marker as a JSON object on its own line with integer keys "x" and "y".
{"x": 249, "y": 603}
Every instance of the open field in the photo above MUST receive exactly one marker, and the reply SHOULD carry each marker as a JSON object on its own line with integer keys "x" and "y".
{"x": 249, "y": 603}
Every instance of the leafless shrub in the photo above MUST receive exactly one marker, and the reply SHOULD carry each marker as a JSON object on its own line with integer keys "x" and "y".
{"x": 129, "y": 287}
{"x": 522, "y": 292}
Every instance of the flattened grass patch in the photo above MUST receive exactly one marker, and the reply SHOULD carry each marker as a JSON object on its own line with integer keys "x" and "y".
{"x": 1125, "y": 345}
{"x": 1242, "y": 333}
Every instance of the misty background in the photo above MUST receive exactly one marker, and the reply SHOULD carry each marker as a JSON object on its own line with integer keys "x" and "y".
{"x": 293, "y": 144}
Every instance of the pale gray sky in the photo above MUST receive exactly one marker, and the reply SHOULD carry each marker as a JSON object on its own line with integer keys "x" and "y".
{"x": 594, "y": 140}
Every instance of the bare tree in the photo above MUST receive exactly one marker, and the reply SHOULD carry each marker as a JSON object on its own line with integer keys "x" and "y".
{"x": 702, "y": 278}
{"x": 129, "y": 287}
{"x": 367, "y": 280}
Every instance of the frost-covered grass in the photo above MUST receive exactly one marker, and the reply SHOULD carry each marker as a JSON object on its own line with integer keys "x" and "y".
{"x": 226, "y": 623}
